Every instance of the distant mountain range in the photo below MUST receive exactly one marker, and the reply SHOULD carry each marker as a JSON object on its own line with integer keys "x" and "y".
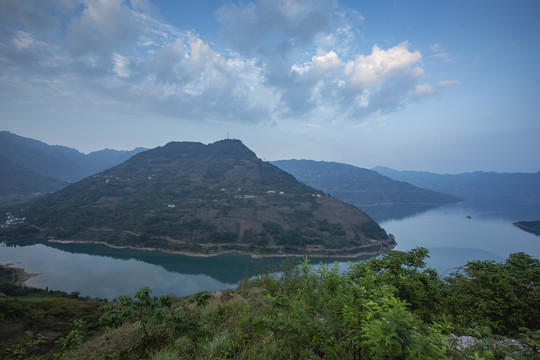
{"x": 203, "y": 200}
{"x": 358, "y": 186}
{"x": 475, "y": 185}
{"x": 30, "y": 167}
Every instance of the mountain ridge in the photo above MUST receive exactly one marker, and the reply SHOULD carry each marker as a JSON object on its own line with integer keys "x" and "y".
{"x": 205, "y": 200}
{"x": 31, "y": 168}
{"x": 474, "y": 185}
{"x": 359, "y": 186}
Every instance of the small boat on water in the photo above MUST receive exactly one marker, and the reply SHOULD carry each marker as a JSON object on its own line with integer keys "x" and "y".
{"x": 468, "y": 216}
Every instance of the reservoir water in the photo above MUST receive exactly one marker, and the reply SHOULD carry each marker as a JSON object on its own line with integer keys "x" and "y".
{"x": 453, "y": 234}
{"x": 457, "y": 233}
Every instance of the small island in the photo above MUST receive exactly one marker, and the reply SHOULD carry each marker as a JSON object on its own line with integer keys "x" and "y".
{"x": 529, "y": 226}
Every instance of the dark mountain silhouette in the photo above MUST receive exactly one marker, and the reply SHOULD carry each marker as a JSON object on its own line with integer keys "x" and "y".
{"x": 31, "y": 168}
{"x": 204, "y": 200}
{"x": 358, "y": 186}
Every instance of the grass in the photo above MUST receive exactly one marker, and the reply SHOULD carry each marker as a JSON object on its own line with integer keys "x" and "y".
{"x": 44, "y": 319}
{"x": 165, "y": 354}
{"x": 109, "y": 344}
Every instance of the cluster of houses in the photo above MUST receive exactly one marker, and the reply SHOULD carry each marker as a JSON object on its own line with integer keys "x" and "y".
{"x": 12, "y": 220}
{"x": 239, "y": 196}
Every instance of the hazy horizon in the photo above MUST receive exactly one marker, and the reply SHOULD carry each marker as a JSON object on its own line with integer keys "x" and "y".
{"x": 445, "y": 87}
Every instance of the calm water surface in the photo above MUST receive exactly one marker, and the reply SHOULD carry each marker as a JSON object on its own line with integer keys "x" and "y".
{"x": 98, "y": 271}
{"x": 453, "y": 239}
{"x": 449, "y": 235}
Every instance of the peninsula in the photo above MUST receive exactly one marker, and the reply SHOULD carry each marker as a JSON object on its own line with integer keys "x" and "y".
{"x": 203, "y": 200}
{"x": 529, "y": 226}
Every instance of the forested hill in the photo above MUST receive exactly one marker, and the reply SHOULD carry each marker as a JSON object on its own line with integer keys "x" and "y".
{"x": 475, "y": 185}
{"x": 359, "y": 186}
{"x": 30, "y": 167}
{"x": 203, "y": 200}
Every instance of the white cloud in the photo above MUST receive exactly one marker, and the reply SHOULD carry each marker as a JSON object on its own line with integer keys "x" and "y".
{"x": 264, "y": 27}
{"x": 201, "y": 56}
{"x": 326, "y": 62}
{"x": 425, "y": 90}
{"x": 371, "y": 70}
{"x": 167, "y": 61}
{"x": 288, "y": 60}
{"x": 104, "y": 26}
{"x": 440, "y": 53}
{"x": 319, "y": 65}
{"x": 444, "y": 56}
{"x": 121, "y": 65}
{"x": 22, "y": 40}
{"x": 447, "y": 83}
{"x": 435, "y": 47}
{"x": 324, "y": 79}
{"x": 113, "y": 18}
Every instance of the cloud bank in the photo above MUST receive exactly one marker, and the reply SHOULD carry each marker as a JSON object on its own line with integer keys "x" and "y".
{"x": 278, "y": 61}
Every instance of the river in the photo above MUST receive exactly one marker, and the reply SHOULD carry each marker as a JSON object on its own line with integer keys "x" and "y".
{"x": 446, "y": 231}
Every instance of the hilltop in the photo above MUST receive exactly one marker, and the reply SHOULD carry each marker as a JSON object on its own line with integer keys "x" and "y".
{"x": 359, "y": 186}
{"x": 198, "y": 199}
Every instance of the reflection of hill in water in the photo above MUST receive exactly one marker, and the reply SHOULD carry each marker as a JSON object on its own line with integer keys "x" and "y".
{"x": 510, "y": 211}
{"x": 225, "y": 268}
{"x": 381, "y": 213}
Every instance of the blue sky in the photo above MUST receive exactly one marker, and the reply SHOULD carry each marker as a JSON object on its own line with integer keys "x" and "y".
{"x": 443, "y": 86}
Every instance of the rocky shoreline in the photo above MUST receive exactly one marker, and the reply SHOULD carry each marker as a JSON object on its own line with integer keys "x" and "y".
{"x": 227, "y": 252}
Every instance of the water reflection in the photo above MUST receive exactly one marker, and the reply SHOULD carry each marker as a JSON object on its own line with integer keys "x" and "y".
{"x": 451, "y": 237}
{"x": 381, "y": 213}
{"x": 510, "y": 210}
{"x": 100, "y": 271}
{"x": 227, "y": 268}
{"x": 104, "y": 276}
{"x": 457, "y": 233}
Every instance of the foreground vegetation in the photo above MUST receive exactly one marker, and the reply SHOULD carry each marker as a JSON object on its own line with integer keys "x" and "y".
{"x": 390, "y": 307}
{"x": 35, "y": 323}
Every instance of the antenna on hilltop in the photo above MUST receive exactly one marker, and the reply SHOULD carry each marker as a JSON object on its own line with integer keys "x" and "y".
{"x": 227, "y": 135}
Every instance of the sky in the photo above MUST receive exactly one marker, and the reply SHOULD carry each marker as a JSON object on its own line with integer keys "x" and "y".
{"x": 443, "y": 86}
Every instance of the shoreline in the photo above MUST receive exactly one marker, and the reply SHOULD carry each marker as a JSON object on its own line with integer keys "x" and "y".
{"x": 225, "y": 252}
{"x": 22, "y": 276}
{"x": 526, "y": 226}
